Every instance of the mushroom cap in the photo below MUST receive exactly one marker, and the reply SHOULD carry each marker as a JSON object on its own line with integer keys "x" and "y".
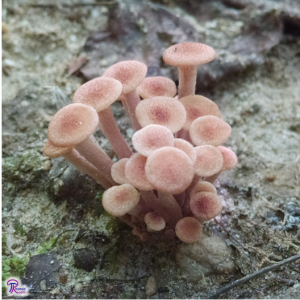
{"x": 157, "y": 86}
{"x": 137, "y": 231}
{"x": 135, "y": 172}
{"x": 99, "y": 93}
{"x": 198, "y": 106}
{"x": 203, "y": 186}
{"x": 205, "y": 206}
{"x": 162, "y": 111}
{"x": 187, "y": 148}
{"x": 151, "y": 138}
{"x": 118, "y": 171}
{"x": 230, "y": 159}
{"x": 209, "y": 130}
{"x": 154, "y": 222}
{"x": 53, "y": 151}
{"x": 130, "y": 73}
{"x": 189, "y": 54}
{"x": 188, "y": 230}
{"x": 72, "y": 124}
{"x": 119, "y": 200}
{"x": 170, "y": 234}
{"x": 209, "y": 160}
{"x": 169, "y": 170}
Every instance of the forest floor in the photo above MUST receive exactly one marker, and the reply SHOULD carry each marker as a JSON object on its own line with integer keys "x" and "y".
{"x": 56, "y": 235}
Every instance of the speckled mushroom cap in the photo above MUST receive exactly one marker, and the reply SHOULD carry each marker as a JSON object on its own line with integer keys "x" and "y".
{"x": 205, "y": 206}
{"x": 188, "y": 230}
{"x": 99, "y": 93}
{"x": 209, "y": 130}
{"x": 118, "y": 171}
{"x": 163, "y": 111}
{"x": 169, "y": 170}
{"x": 52, "y": 151}
{"x": 151, "y": 138}
{"x": 187, "y": 54}
{"x": 157, "y": 86}
{"x": 209, "y": 160}
{"x": 119, "y": 200}
{"x": 154, "y": 222}
{"x": 135, "y": 172}
{"x": 229, "y": 158}
{"x": 203, "y": 186}
{"x": 198, "y": 106}
{"x": 130, "y": 73}
{"x": 187, "y": 148}
{"x": 72, "y": 125}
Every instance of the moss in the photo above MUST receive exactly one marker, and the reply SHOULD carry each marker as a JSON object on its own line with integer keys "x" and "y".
{"x": 45, "y": 247}
{"x": 12, "y": 267}
{"x": 19, "y": 228}
{"x": 4, "y": 241}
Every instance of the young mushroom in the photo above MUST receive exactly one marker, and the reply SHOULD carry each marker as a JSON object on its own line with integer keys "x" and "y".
{"x": 205, "y": 206}
{"x": 130, "y": 73}
{"x": 119, "y": 200}
{"x": 203, "y": 186}
{"x": 188, "y": 230}
{"x": 187, "y": 57}
{"x": 154, "y": 222}
{"x": 151, "y": 138}
{"x": 72, "y": 156}
{"x": 72, "y": 126}
{"x": 187, "y": 148}
{"x": 163, "y": 111}
{"x": 209, "y": 130}
{"x": 118, "y": 171}
{"x": 100, "y": 93}
{"x": 157, "y": 86}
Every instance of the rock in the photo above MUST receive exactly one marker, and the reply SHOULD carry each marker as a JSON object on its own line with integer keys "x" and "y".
{"x": 209, "y": 255}
{"x": 78, "y": 287}
{"x": 150, "y": 288}
{"x": 84, "y": 259}
{"x": 43, "y": 285}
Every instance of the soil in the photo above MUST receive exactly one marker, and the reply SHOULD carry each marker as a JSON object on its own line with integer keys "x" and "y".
{"x": 52, "y": 214}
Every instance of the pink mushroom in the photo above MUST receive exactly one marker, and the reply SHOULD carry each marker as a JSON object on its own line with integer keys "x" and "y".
{"x": 188, "y": 230}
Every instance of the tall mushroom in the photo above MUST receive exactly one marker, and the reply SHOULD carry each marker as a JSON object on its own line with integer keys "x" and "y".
{"x": 187, "y": 57}
{"x": 72, "y": 126}
{"x": 100, "y": 93}
{"x": 130, "y": 73}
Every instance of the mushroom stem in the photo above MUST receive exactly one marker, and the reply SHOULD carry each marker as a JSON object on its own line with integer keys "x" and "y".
{"x": 212, "y": 178}
{"x": 93, "y": 153}
{"x": 185, "y": 135}
{"x": 87, "y": 168}
{"x": 130, "y": 101}
{"x": 171, "y": 204}
{"x": 187, "y": 80}
{"x": 113, "y": 134}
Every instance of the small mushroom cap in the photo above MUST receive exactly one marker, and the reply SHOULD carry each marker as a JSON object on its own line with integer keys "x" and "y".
{"x": 203, "y": 186}
{"x": 52, "y": 151}
{"x": 205, "y": 206}
{"x": 209, "y": 160}
{"x": 187, "y": 148}
{"x": 230, "y": 159}
{"x": 189, "y": 54}
{"x": 135, "y": 172}
{"x": 137, "y": 231}
{"x": 169, "y": 170}
{"x": 72, "y": 124}
{"x": 118, "y": 171}
{"x": 209, "y": 130}
{"x": 162, "y": 111}
{"x": 154, "y": 222}
{"x": 157, "y": 86}
{"x": 119, "y": 200}
{"x": 188, "y": 230}
{"x": 151, "y": 138}
{"x": 99, "y": 93}
{"x": 130, "y": 73}
{"x": 170, "y": 234}
{"x": 198, "y": 106}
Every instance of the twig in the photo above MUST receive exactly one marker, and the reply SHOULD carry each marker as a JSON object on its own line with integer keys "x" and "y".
{"x": 251, "y": 276}
{"x": 121, "y": 280}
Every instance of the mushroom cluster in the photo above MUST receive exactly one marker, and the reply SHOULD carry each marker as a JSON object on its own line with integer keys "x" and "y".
{"x": 164, "y": 184}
